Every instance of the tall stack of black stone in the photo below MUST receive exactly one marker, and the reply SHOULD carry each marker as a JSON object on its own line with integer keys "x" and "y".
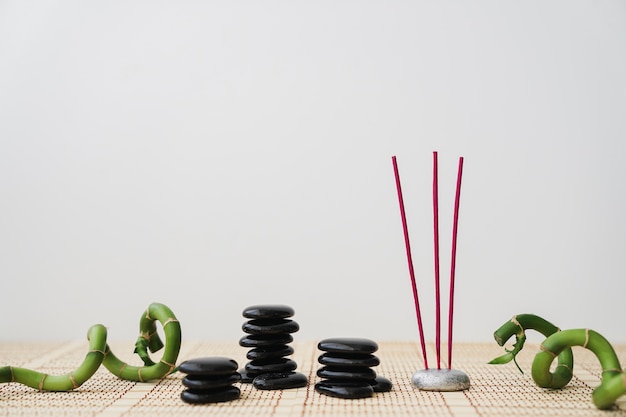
{"x": 347, "y": 370}
{"x": 268, "y": 333}
{"x": 209, "y": 380}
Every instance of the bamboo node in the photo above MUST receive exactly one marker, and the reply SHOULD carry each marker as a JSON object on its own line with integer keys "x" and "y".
{"x": 43, "y": 378}
{"x": 545, "y": 349}
{"x": 74, "y": 384}
{"x": 168, "y": 321}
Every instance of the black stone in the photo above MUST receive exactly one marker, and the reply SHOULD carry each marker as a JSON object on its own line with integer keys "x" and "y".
{"x": 381, "y": 384}
{"x": 348, "y": 344}
{"x": 246, "y": 378}
{"x": 284, "y": 380}
{"x": 267, "y": 366}
{"x": 350, "y": 373}
{"x": 213, "y": 365}
{"x": 268, "y": 311}
{"x": 203, "y": 382}
{"x": 348, "y": 359}
{"x": 270, "y": 326}
{"x": 215, "y": 396}
{"x": 270, "y": 352}
{"x": 264, "y": 340}
{"x": 345, "y": 389}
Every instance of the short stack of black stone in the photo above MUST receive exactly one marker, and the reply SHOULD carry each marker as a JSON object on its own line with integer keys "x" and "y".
{"x": 347, "y": 369}
{"x": 210, "y": 380}
{"x": 268, "y": 334}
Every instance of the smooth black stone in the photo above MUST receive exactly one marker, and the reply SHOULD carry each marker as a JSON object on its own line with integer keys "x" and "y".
{"x": 284, "y": 380}
{"x": 268, "y": 366}
{"x": 268, "y": 311}
{"x": 215, "y": 396}
{"x": 270, "y": 326}
{"x": 270, "y": 352}
{"x": 352, "y": 374}
{"x": 263, "y": 340}
{"x": 381, "y": 384}
{"x": 203, "y": 382}
{"x": 348, "y": 359}
{"x": 246, "y": 378}
{"x": 212, "y": 365}
{"x": 345, "y": 389}
{"x": 348, "y": 344}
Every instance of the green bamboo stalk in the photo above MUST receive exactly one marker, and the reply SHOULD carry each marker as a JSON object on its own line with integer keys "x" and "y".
{"x": 100, "y": 353}
{"x": 613, "y": 383}
{"x": 149, "y": 339}
{"x": 97, "y": 336}
{"x": 517, "y": 326}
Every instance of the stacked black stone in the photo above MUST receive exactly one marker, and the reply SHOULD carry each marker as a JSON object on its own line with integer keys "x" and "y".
{"x": 210, "y": 380}
{"x": 268, "y": 334}
{"x": 347, "y": 369}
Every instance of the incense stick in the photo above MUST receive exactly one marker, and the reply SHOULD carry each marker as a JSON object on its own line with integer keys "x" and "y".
{"x": 457, "y": 200}
{"x": 436, "y": 250}
{"x": 410, "y": 260}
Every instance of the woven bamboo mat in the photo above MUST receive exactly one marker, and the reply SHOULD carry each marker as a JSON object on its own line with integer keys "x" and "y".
{"x": 497, "y": 390}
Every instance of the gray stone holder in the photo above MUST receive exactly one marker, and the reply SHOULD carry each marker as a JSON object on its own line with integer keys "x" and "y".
{"x": 440, "y": 380}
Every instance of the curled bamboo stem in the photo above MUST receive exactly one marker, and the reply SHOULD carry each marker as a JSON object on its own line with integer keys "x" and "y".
{"x": 517, "y": 326}
{"x": 149, "y": 339}
{"x": 100, "y": 353}
{"x": 97, "y": 335}
{"x": 613, "y": 380}
{"x": 558, "y": 344}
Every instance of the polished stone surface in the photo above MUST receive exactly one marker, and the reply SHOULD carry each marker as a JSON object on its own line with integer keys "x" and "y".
{"x": 350, "y": 373}
{"x": 440, "y": 380}
{"x": 348, "y": 359}
{"x": 215, "y": 396}
{"x": 265, "y": 366}
{"x": 212, "y": 365}
{"x": 381, "y": 384}
{"x": 270, "y": 352}
{"x": 345, "y": 389}
{"x": 284, "y": 380}
{"x": 270, "y": 326}
{"x": 246, "y": 378}
{"x": 263, "y": 340}
{"x": 203, "y": 382}
{"x": 348, "y": 344}
{"x": 268, "y": 311}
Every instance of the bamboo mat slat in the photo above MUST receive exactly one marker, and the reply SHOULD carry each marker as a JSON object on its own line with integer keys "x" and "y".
{"x": 497, "y": 390}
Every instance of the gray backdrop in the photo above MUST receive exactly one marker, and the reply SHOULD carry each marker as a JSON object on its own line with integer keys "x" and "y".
{"x": 214, "y": 155}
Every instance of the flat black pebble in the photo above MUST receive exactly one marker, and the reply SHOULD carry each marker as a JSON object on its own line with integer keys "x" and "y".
{"x": 353, "y": 374}
{"x": 268, "y": 311}
{"x": 212, "y": 365}
{"x": 348, "y": 344}
{"x": 270, "y": 326}
{"x": 270, "y": 352}
{"x": 348, "y": 359}
{"x": 203, "y": 382}
{"x": 216, "y": 396}
{"x": 266, "y": 366}
{"x": 246, "y": 378}
{"x": 263, "y": 340}
{"x": 285, "y": 380}
{"x": 381, "y": 384}
{"x": 345, "y": 389}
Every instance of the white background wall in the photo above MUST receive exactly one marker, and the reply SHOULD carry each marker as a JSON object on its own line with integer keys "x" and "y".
{"x": 214, "y": 155}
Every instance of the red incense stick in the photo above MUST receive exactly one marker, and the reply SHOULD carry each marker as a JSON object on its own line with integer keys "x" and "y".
{"x": 436, "y": 247}
{"x": 410, "y": 261}
{"x": 455, "y": 225}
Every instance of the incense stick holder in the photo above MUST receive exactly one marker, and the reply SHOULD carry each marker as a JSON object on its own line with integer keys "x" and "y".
{"x": 440, "y": 380}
